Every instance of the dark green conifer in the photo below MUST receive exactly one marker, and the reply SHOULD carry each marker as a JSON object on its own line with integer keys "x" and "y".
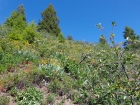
{"x": 131, "y": 38}
{"x": 49, "y": 21}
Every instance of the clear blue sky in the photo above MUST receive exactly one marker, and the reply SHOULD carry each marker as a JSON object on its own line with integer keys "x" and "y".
{"x": 79, "y": 17}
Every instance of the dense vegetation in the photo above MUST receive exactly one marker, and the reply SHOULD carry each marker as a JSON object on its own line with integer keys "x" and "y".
{"x": 88, "y": 74}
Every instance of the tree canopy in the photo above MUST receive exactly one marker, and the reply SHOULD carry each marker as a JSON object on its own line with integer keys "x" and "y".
{"x": 130, "y": 37}
{"x": 17, "y": 20}
{"x": 49, "y": 21}
{"x": 129, "y": 33}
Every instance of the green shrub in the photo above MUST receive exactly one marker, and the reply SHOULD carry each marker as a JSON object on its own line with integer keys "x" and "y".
{"x": 50, "y": 98}
{"x": 4, "y": 30}
{"x": 56, "y": 86}
{"x": 14, "y": 91}
{"x": 30, "y": 33}
{"x": 4, "y": 100}
{"x": 61, "y": 38}
{"x": 30, "y": 96}
{"x": 15, "y": 35}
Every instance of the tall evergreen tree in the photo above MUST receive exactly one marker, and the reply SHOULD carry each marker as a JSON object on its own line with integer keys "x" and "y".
{"x": 21, "y": 10}
{"x": 49, "y": 21}
{"x": 17, "y": 19}
{"x": 102, "y": 40}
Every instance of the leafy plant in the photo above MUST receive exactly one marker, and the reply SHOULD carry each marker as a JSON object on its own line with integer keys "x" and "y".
{"x": 4, "y": 100}
{"x": 52, "y": 71}
{"x": 14, "y": 91}
{"x": 50, "y": 98}
{"x": 61, "y": 38}
{"x": 29, "y": 96}
{"x": 30, "y": 33}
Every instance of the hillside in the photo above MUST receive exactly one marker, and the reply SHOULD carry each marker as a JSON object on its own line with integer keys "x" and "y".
{"x": 65, "y": 73}
{"x": 39, "y": 66}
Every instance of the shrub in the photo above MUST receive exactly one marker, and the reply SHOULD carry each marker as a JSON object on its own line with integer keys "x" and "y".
{"x": 30, "y": 33}
{"x": 61, "y": 38}
{"x": 30, "y": 96}
{"x": 50, "y": 98}
{"x": 4, "y": 100}
{"x": 15, "y": 35}
{"x": 70, "y": 37}
{"x": 4, "y": 31}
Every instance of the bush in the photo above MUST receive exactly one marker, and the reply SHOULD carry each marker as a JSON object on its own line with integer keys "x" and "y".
{"x": 61, "y": 38}
{"x": 30, "y": 96}
{"x": 15, "y": 35}
{"x": 4, "y": 31}
{"x": 30, "y": 33}
{"x": 70, "y": 37}
{"x": 4, "y": 100}
{"x": 50, "y": 98}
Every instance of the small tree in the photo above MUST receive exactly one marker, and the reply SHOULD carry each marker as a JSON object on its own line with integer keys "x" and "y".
{"x": 102, "y": 40}
{"x": 17, "y": 23}
{"x": 30, "y": 33}
{"x": 131, "y": 38}
{"x": 49, "y": 21}
{"x": 17, "y": 19}
{"x": 129, "y": 33}
{"x": 70, "y": 37}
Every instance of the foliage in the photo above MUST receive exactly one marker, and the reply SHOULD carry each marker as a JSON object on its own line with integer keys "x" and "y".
{"x": 29, "y": 96}
{"x": 129, "y": 33}
{"x": 15, "y": 35}
{"x": 17, "y": 19}
{"x": 88, "y": 74}
{"x": 131, "y": 38}
{"x": 21, "y": 10}
{"x": 70, "y": 37}
{"x": 30, "y": 33}
{"x": 61, "y": 38}
{"x": 49, "y": 21}
{"x": 102, "y": 40}
{"x": 4, "y": 100}
{"x": 14, "y": 91}
{"x": 4, "y": 30}
{"x": 17, "y": 23}
{"x": 122, "y": 77}
{"x": 50, "y": 98}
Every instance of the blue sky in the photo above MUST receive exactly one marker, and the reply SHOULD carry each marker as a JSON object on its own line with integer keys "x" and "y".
{"x": 79, "y": 17}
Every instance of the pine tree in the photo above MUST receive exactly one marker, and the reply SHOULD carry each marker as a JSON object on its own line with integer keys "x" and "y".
{"x": 17, "y": 19}
{"x": 49, "y": 21}
{"x": 129, "y": 33}
{"x": 17, "y": 23}
{"x": 102, "y": 40}
{"x": 130, "y": 37}
{"x": 21, "y": 10}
